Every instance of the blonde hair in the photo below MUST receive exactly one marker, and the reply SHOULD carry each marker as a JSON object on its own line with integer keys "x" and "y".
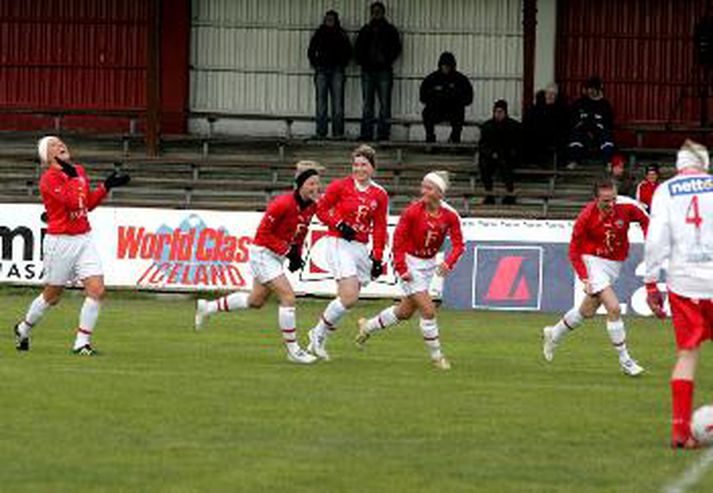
{"x": 305, "y": 165}
{"x": 367, "y": 152}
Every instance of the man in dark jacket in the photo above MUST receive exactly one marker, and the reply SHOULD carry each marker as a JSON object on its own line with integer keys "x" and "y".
{"x": 546, "y": 126}
{"x": 329, "y": 52}
{"x": 445, "y": 92}
{"x": 592, "y": 123}
{"x": 499, "y": 150}
{"x": 377, "y": 48}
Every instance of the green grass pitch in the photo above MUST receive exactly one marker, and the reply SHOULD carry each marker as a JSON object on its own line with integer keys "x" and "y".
{"x": 168, "y": 409}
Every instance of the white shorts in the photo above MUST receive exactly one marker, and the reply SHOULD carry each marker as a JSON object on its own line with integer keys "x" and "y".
{"x": 422, "y": 271}
{"x": 265, "y": 264}
{"x": 348, "y": 259}
{"x": 69, "y": 258}
{"x": 602, "y": 272}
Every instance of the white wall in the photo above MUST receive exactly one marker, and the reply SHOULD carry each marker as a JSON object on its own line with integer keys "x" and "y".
{"x": 545, "y": 43}
{"x": 249, "y": 56}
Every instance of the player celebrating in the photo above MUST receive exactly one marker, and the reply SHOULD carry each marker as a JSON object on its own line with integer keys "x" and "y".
{"x": 681, "y": 234}
{"x": 419, "y": 235}
{"x": 69, "y": 250}
{"x": 279, "y": 236}
{"x": 597, "y": 250}
{"x": 353, "y": 208}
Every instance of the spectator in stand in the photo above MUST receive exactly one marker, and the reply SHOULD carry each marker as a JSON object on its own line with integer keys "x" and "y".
{"x": 329, "y": 52}
{"x": 592, "y": 123}
{"x": 621, "y": 177}
{"x": 499, "y": 151}
{"x": 445, "y": 92}
{"x": 546, "y": 125}
{"x": 646, "y": 187}
{"x": 376, "y": 49}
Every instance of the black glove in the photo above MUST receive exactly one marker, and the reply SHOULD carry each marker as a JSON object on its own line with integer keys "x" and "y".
{"x": 296, "y": 262}
{"x": 346, "y": 231}
{"x": 377, "y": 268}
{"x": 116, "y": 179}
{"x": 43, "y": 217}
{"x": 67, "y": 168}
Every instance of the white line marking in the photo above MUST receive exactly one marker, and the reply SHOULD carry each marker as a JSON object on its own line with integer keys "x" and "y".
{"x": 692, "y": 475}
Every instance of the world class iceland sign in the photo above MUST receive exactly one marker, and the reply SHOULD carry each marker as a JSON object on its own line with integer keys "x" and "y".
{"x": 524, "y": 266}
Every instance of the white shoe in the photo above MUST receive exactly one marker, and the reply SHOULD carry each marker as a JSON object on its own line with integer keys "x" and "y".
{"x": 548, "y": 344}
{"x": 316, "y": 345}
{"x": 441, "y": 363}
{"x": 301, "y": 356}
{"x": 363, "y": 334}
{"x": 201, "y": 314}
{"x": 631, "y": 368}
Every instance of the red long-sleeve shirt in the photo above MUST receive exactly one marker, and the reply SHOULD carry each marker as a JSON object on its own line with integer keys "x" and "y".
{"x": 605, "y": 236}
{"x": 645, "y": 192}
{"x": 421, "y": 234}
{"x": 68, "y": 201}
{"x": 364, "y": 210}
{"x": 284, "y": 224}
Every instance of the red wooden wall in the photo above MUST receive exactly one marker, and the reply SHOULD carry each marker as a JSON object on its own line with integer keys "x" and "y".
{"x": 642, "y": 49}
{"x": 88, "y": 55}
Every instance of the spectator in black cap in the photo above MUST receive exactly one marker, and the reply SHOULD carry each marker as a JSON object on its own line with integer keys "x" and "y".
{"x": 329, "y": 52}
{"x": 592, "y": 123}
{"x": 646, "y": 188}
{"x": 376, "y": 49}
{"x": 499, "y": 149}
{"x": 445, "y": 92}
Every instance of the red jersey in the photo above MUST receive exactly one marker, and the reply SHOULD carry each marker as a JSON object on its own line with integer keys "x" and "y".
{"x": 68, "y": 201}
{"x": 605, "y": 236}
{"x": 645, "y": 192}
{"x": 421, "y": 234}
{"x": 284, "y": 224}
{"x": 364, "y": 210}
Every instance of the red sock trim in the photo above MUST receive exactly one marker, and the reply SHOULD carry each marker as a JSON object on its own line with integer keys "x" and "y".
{"x": 430, "y": 338}
{"x": 381, "y": 322}
{"x": 329, "y": 325}
{"x": 289, "y": 331}
{"x": 564, "y": 322}
{"x": 84, "y": 331}
{"x": 289, "y": 341}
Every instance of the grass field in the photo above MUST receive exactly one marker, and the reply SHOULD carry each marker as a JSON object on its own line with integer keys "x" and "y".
{"x": 167, "y": 409}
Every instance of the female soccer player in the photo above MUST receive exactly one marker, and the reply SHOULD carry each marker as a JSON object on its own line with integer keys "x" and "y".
{"x": 353, "y": 208}
{"x": 69, "y": 249}
{"x": 681, "y": 238}
{"x": 419, "y": 235}
{"x": 597, "y": 250}
{"x": 279, "y": 236}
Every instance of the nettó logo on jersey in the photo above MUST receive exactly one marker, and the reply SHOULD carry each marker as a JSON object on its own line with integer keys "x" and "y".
{"x": 191, "y": 254}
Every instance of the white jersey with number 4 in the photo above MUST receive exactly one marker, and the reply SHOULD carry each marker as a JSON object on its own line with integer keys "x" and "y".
{"x": 681, "y": 233}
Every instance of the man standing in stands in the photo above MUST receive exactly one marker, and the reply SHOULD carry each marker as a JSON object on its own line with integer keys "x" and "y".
{"x": 329, "y": 52}
{"x": 592, "y": 124}
{"x": 377, "y": 48}
{"x": 499, "y": 151}
{"x": 445, "y": 92}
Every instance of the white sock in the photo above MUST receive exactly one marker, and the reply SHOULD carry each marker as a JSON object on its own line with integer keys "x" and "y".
{"x": 617, "y": 335}
{"x": 571, "y": 320}
{"x": 35, "y": 312}
{"x": 87, "y": 320}
{"x": 386, "y": 318}
{"x": 286, "y": 318}
{"x": 429, "y": 329}
{"x": 334, "y": 312}
{"x": 233, "y": 301}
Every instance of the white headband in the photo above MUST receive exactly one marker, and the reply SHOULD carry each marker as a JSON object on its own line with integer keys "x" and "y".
{"x": 436, "y": 180}
{"x": 42, "y": 146}
{"x": 698, "y": 158}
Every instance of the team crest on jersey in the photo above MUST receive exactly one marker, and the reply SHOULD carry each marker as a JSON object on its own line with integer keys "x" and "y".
{"x": 619, "y": 223}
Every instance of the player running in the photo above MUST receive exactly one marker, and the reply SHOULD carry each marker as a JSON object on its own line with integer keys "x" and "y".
{"x": 353, "y": 208}
{"x": 279, "y": 237}
{"x": 597, "y": 250}
{"x": 69, "y": 251}
{"x": 681, "y": 235}
{"x": 419, "y": 235}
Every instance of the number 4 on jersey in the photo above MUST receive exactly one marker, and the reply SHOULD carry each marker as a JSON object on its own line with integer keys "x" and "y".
{"x": 693, "y": 215}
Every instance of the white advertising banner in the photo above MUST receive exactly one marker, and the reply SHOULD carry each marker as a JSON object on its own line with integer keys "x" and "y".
{"x": 170, "y": 250}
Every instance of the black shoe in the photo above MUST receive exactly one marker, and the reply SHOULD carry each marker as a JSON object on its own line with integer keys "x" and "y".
{"x": 509, "y": 200}
{"x": 21, "y": 343}
{"x": 85, "y": 350}
{"x": 489, "y": 200}
{"x": 430, "y": 138}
